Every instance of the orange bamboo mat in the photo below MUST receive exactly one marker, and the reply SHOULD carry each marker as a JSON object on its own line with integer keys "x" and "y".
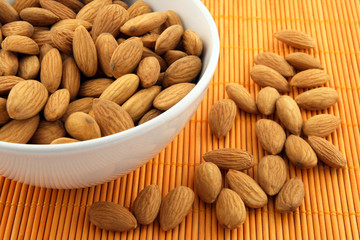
{"x": 331, "y": 208}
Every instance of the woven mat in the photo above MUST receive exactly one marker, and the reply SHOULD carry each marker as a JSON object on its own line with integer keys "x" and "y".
{"x": 331, "y": 208}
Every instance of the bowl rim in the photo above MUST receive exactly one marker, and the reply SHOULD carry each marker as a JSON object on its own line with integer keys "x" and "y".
{"x": 81, "y": 146}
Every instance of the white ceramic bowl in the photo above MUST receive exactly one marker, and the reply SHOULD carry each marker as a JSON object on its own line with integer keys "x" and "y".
{"x": 100, "y": 160}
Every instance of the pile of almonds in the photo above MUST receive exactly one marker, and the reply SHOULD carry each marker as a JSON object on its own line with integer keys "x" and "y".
{"x": 71, "y": 71}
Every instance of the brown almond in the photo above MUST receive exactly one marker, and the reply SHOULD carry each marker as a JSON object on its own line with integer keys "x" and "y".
{"x": 138, "y": 8}
{"x": 153, "y": 113}
{"x": 19, "y": 131}
{"x": 172, "y": 95}
{"x": 271, "y": 174}
{"x": 270, "y": 135}
{"x": 291, "y": 196}
{"x": 121, "y": 3}
{"x": 309, "y": 78}
{"x": 149, "y": 53}
{"x": 4, "y": 116}
{"x": 173, "y": 55}
{"x": 63, "y": 140}
{"x": 57, "y": 105}
{"x": 172, "y": 19}
{"x": 48, "y": 132}
{"x": 221, "y": 117}
{"x": 20, "y": 44}
{"x": 149, "y": 39}
{"x": 241, "y": 97}
{"x": 7, "y": 83}
{"x": 143, "y": 23}
{"x": 7, "y": 12}
{"x": 105, "y": 46}
{"x": 82, "y": 126}
{"x": 51, "y": 70}
{"x": 230, "y": 158}
{"x": 90, "y": 10}
{"x": 276, "y": 62}
{"x": 58, "y": 9}
{"x": 9, "y": 63}
{"x": 303, "y": 61}
{"x": 71, "y": 24}
{"x": 168, "y": 39}
{"x": 21, "y": 28}
{"x": 289, "y": 114}
{"x": 175, "y": 206}
{"x": 147, "y": 204}
{"x": 300, "y": 152}
{"x": 317, "y": 99}
{"x": 22, "y": 4}
{"x": 94, "y": 87}
{"x": 29, "y": 67}
{"x": 62, "y": 39}
{"x": 327, "y": 152}
{"x": 268, "y": 77}
{"x": 39, "y": 16}
{"x": 71, "y": 77}
{"x": 80, "y": 105}
{"x": 74, "y": 5}
{"x": 41, "y": 36}
{"x": 192, "y": 43}
{"x": 321, "y": 125}
{"x": 148, "y": 71}
{"x": 295, "y": 38}
{"x": 44, "y": 49}
{"x": 208, "y": 181}
{"x": 266, "y": 100}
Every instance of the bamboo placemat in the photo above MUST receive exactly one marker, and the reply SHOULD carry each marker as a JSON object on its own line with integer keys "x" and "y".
{"x": 331, "y": 208}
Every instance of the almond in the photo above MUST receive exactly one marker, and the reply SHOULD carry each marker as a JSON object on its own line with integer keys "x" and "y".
{"x": 303, "y": 61}
{"x": 63, "y": 140}
{"x": 147, "y": 204}
{"x": 168, "y": 39}
{"x": 22, "y": 4}
{"x": 175, "y": 206}
{"x": 295, "y": 38}
{"x": 172, "y": 19}
{"x": 126, "y": 57}
{"x": 247, "y": 188}
{"x": 208, "y": 181}
{"x": 143, "y": 23}
{"x": 85, "y": 51}
{"x": 90, "y": 10}
{"x": 20, "y": 44}
{"x": 82, "y": 126}
{"x": 19, "y": 131}
{"x": 41, "y": 36}
{"x": 183, "y": 70}
{"x": 71, "y": 77}
{"x": 62, "y": 38}
{"x": 149, "y": 39}
{"x": 138, "y": 8}
{"x": 111, "y": 216}
{"x": 268, "y": 77}
{"x": 192, "y": 43}
{"x": 321, "y": 125}
{"x": 71, "y": 24}
{"x": 7, "y": 12}
{"x": 141, "y": 102}
{"x": 51, "y": 70}
{"x": 230, "y": 158}
{"x": 9, "y": 63}
{"x": 111, "y": 117}
{"x": 80, "y": 105}
{"x": 148, "y": 53}
{"x": 7, "y": 83}
{"x": 317, "y": 99}
{"x": 148, "y": 71}
{"x": 47, "y": 132}
{"x": 230, "y": 209}
{"x": 58, "y": 9}
{"x": 21, "y": 28}
{"x": 173, "y": 55}
{"x": 4, "y": 116}
{"x": 39, "y": 16}
{"x": 105, "y": 46}
{"x": 309, "y": 78}
{"x": 172, "y": 95}
{"x": 29, "y": 67}
{"x": 276, "y": 62}
{"x": 26, "y": 99}
{"x": 121, "y": 3}
{"x": 270, "y": 135}
{"x": 153, "y": 113}
{"x": 299, "y": 152}
{"x": 221, "y": 117}
{"x": 74, "y": 5}
{"x": 56, "y": 105}
{"x": 289, "y": 114}
{"x": 94, "y": 87}
{"x": 271, "y": 174}
{"x": 291, "y": 196}
{"x": 44, "y": 49}
{"x": 241, "y": 97}
{"x": 327, "y": 152}
{"x": 266, "y": 100}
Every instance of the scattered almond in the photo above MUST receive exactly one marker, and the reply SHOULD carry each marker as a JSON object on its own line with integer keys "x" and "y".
{"x": 303, "y": 61}
{"x": 241, "y": 97}
{"x": 270, "y": 135}
{"x": 266, "y": 100}
{"x": 289, "y": 114}
{"x": 230, "y": 158}
{"x": 291, "y": 196}
{"x": 295, "y": 39}
{"x": 317, "y": 99}
{"x": 147, "y": 204}
{"x": 309, "y": 78}
{"x": 208, "y": 181}
{"x": 300, "y": 152}
{"x": 221, "y": 117}
{"x": 268, "y": 77}
{"x": 321, "y": 125}
{"x": 276, "y": 62}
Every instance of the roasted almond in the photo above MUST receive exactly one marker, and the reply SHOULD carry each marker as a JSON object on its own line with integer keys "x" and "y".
{"x": 148, "y": 71}
{"x": 90, "y": 10}
{"x": 71, "y": 24}
{"x": 29, "y": 67}
{"x": 289, "y": 114}
{"x": 266, "y": 100}
{"x": 168, "y": 39}
{"x": 173, "y": 55}
{"x": 9, "y": 63}
{"x": 94, "y": 87}
{"x": 221, "y": 117}
{"x": 153, "y": 113}
{"x": 138, "y": 8}
{"x": 303, "y": 61}
{"x": 295, "y": 38}
{"x": 105, "y": 46}
{"x": 19, "y": 131}
{"x": 20, "y": 44}
{"x": 172, "y": 95}
{"x": 80, "y": 105}
{"x": 21, "y": 28}
{"x": 58, "y": 9}
{"x": 39, "y": 16}
{"x": 291, "y": 196}
{"x": 7, "y": 83}
{"x": 48, "y": 132}
{"x": 241, "y": 97}
{"x": 147, "y": 204}
{"x": 317, "y": 99}
{"x": 143, "y": 23}
{"x": 192, "y": 43}
{"x": 82, "y": 126}
{"x": 172, "y": 19}
{"x": 230, "y": 158}
{"x": 63, "y": 140}
{"x": 51, "y": 70}
{"x": 309, "y": 78}
{"x": 57, "y": 105}
{"x": 208, "y": 181}
{"x": 268, "y": 77}
{"x": 300, "y": 152}
{"x": 4, "y": 116}
{"x": 321, "y": 125}
{"x": 276, "y": 62}
{"x": 62, "y": 38}
{"x": 270, "y": 135}
{"x": 71, "y": 77}
{"x": 7, "y": 12}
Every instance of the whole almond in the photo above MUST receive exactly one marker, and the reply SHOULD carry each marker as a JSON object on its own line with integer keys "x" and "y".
{"x": 327, "y": 152}
{"x": 149, "y": 39}
{"x": 121, "y": 3}
{"x": 276, "y": 62}
{"x": 84, "y": 51}
{"x": 111, "y": 216}
{"x": 51, "y": 70}
{"x": 105, "y": 46}
{"x": 172, "y": 19}
{"x": 48, "y": 132}
{"x": 138, "y": 8}
{"x": 192, "y": 43}
{"x": 19, "y": 131}
{"x": 271, "y": 174}
{"x": 266, "y": 100}
{"x": 268, "y": 77}
{"x": 7, "y": 83}
{"x": 62, "y": 38}
{"x": 208, "y": 181}
{"x": 82, "y": 126}
{"x": 172, "y": 95}
{"x": 241, "y": 97}
{"x": 148, "y": 71}
{"x": 7, "y": 12}
{"x": 58, "y": 9}
{"x": 247, "y": 188}
{"x": 111, "y": 117}
{"x": 72, "y": 24}
{"x": 270, "y": 135}
{"x": 175, "y": 206}
{"x": 71, "y": 77}
{"x": 22, "y": 4}
{"x": 29, "y": 67}
{"x": 20, "y": 44}
{"x": 141, "y": 102}
{"x": 21, "y": 28}
{"x": 90, "y": 10}
{"x": 26, "y": 99}
{"x": 9, "y": 63}
{"x": 303, "y": 61}
{"x": 173, "y": 55}
{"x": 74, "y": 5}
{"x": 4, "y": 116}
{"x": 143, "y": 23}
{"x": 147, "y": 204}
{"x": 94, "y": 87}
{"x": 321, "y": 125}
{"x": 221, "y": 117}
{"x": 80, "y": 105}
{"x": 289, "y": 114}
{"x": 153, "y": 113}
{"x": 300, "y": 152}
{"x": 291, "y": 196}
{"x": 41, "y": 36}
{"x": 295, "y": 38}
{"x": 57, "y": 105}
{"x": 63, "y": 140}
{"x": 149, "y": 53}
{"x": 39, "y": 16}
{"x": 183, "y": 70}
{"x": 230, "y": 158}
{"x": 230, "y": 209}
{"x": 44, "y": 49}
{"x": 168, "y": 39}
{"x": 121, "y": 89}
{"x": 317, "y": 99}
{"x": 309, "y": 78}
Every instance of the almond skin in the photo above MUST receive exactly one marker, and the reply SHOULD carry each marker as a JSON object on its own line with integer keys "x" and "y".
{"x": 70, "y": 77}
{"x": 148, "y": 71}
{"x": 80, "y": 105}
{"x": 58, "y": 9}
{"x": 47, "y": 132}
{"x": 295, "y": 39}
{"x": 208, "y": 181}
{"x": 175, "y": 206}
{"x": 168, "y": 39}
{"x": 247, "y": 188}
{"x": 271, "y": 174}
{"x": 143, "y": 23}
{"x": 105, "y": 46}
{"x": 62, "y": 39}
{"x": 63, "y": 140}
{"x": 221, "y": 117}
{"x": 303, "y": 61}
{"x": 153, "y": 113}
{"x": 317, "y": 99}
{"x": 266, "y": 100}
{"x": 26, "y": 99}
{"x": 289, "y": 114}
{"x": 309, "y": 78}
{"x": 51, "y": 70}
{"x": 172, "y": 95}
{"x": 56, "y": 105}
{"x": 21, "y": 28}
{"x": 9, "y": 63}
{"x": 94, "y": 87}
{"x": 7, "y": 83}
{"x": 230, "y": 158}
{"x": 20, "y": 44}
{"x": 38, "y": 16}
{"x": 192, "y": 43}
{"x": 19, "y": 131}
{"x": 29, "y": 67}
{"x": 139, "y": 8}
{"x": 270, "y": 135}
{"x": 82, "y": 126}
{"x": 291, "y": 196}
{"x": 300, "y": 152}
{"x": 147, "y": 204}
{"x": 275, "y": 62}
{"x": 7, "y": 12}
{"x": 4, "y": 116}
{"x": 111, "y": 216}
{"x": 268, "y": 77}
{"x": 321, "y": 125}
{"x": 327, "y": 152}
{"x": 241, "y": 97}
{"x": 90, "y": 10}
